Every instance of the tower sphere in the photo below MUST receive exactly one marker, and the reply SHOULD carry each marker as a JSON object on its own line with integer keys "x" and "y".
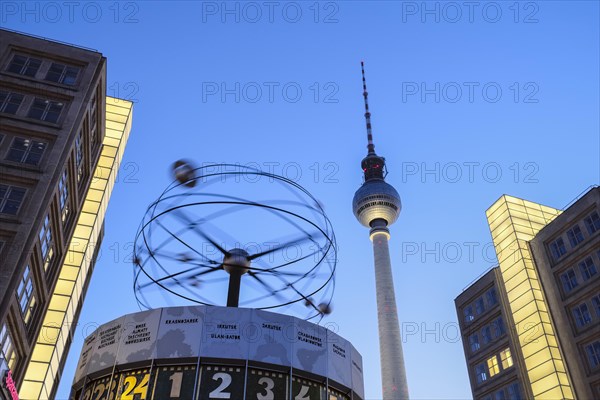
{"x": 376, "y": 199}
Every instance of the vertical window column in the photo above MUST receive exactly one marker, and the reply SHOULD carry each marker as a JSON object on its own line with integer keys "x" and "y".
{"x": 46, "y": 243}
{"x": 63, "y": 196}
{"x": 7, "y": 350}
{"x": 26, "y": 295}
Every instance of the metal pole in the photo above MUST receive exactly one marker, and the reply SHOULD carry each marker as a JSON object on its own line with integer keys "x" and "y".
{"x": 233, "y": 294}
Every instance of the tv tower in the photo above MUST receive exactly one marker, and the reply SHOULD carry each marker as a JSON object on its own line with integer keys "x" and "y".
{"x": 376, "y": 205}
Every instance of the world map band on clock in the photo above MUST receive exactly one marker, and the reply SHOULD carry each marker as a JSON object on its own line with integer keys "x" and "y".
{"x": 201, "y": 352}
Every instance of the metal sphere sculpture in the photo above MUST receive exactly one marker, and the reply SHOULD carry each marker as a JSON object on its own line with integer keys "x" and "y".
{"x": 204, "y": 237}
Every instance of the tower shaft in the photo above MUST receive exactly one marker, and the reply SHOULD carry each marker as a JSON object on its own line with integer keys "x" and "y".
{"x": 393, "y": 373}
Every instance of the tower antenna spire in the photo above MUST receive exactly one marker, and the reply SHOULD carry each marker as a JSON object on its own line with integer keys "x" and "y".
{"x": 370, "y": 146}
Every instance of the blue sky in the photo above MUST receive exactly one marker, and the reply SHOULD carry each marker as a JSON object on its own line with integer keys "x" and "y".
{"x": 468, "y": 104}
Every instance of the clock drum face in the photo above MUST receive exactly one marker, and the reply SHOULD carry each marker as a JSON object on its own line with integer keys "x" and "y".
{"x": 201, "y": 352}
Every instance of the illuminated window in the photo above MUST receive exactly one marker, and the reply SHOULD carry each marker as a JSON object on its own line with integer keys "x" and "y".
{"x": 474, "y": 342}
{"x": 575, "y": 236}
{"x": 64, "y": 74}
{"x": 582, "y": 316}
{"x": 498, "y": 328}
{"x": 587, "y": 268}
{"x": 569, "y": 280}
{"x": 63, "y": 193}
{"x": 558, "y": 248}
{"x": 22, "y": 65}
{"x": 481, "y": 373}
{"x": 45, "y": 110}
{"x": 596, "y": 303}
{"x": 593, "y": 352}
{"x": 479, "y": 306}
{"x": 514, "y": 391}
{"x": 7, "y": 351}
{"x": 79, "y": 155}
{"x": 46, "y": 243}
{"x": 26, "y": 295}
{"x": 492, "y": 364}
{"x": 10, "y": 102}
{"x": 11, "y": 198}
{"x": 486, "y": 334}
{"x": 468, "y": 312}
{"x": 506, "y": 359}
{"x": 592, "y": 222}
{"x": 26, "y": 151}
{"x": 492, "y": 298}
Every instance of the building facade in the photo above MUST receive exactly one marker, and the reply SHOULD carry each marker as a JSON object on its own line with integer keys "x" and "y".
{"x": 61, "y": 141}
{"x": 547, "y": 284}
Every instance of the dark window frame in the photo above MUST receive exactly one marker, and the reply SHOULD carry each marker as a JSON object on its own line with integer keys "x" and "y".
{"x": 6, "y": 191}
{"x": 63, "y": 74}
{"x": 46, "y": 110}
{"x": 29, "y": 66}
{"x": 28, "y": 154}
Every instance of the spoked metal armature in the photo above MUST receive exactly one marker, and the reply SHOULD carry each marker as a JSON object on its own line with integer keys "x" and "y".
{"x": 231, "y": 232}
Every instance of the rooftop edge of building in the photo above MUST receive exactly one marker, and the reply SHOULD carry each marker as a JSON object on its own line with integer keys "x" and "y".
{"x": 45, "y": 39}
{"x": 473, "y": 283}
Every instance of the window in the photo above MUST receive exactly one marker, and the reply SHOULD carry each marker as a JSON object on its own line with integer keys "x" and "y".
{"x": 11, "y": 198}
{"x": 45, "y": 110}
{"x": 500, "y": 395}
{"x": 64, "y": 74}
{"x": 575, "y": 235}
{"x": 582, "y": 316}
{"x": 596, "y": 305}
{"x": 492, "y": 298}
{"x": 514, "y": 391}
{"x": 481, "y": 373}
{"x": 479, "y": 306}
{"x": 592, "y": 222}
{"x": 486, "y": 334}
{"x": 498, "y": 327}
{"x": 558, "y": 248}
{"x": 593, "y": 352}
{"x": 7, "y": 350}
{"x": 587, "y": 268}
{"x": 569, "y": 280}
{"x": 46, "y": 244}
{"x": 492, "y": 364}
{"x": 474, "y": 342}
{"x": 25, "y": 295}
{"x": 79, "y": 155}
{"x": 93, "y": 118}
{"x": 506, "y": 358}
{"x": 63, "y": 193}
{"x": 26, "y": 151}
{"x": 10, "y": 102}
{"x": 24, "y": 65}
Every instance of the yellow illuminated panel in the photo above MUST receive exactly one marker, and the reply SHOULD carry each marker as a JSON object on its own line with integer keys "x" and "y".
{"x": 48, "y": 351}
{"x": 506, "y": 359}
{"x": 492, "y": 364}
{"x": 513, "y": 223}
